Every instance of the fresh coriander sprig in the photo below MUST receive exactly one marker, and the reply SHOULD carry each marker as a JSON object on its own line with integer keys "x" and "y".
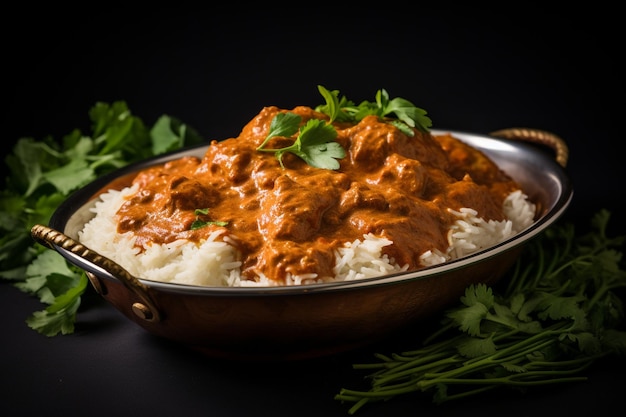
{"x": 407, "y": 115}
{"x": 199, "y": 223}
{"x": 557, "y": 315}
{"x": 314, "y": 143}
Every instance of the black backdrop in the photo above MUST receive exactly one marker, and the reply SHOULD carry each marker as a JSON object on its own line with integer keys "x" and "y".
{"x": 471, "y": 70}
{"x": 215, "y": 68}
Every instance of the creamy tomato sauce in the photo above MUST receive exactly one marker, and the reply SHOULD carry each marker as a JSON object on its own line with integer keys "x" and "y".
{"x": 289, "y": 220}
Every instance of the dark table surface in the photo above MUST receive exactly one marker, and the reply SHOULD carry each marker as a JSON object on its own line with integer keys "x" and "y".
{"x": 214, "y": 70}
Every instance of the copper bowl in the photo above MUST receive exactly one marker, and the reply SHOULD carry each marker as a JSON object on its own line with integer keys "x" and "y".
{"x": 297, "y": 322}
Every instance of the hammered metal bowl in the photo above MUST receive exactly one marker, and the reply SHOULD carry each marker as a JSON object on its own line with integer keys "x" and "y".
{"x": 298, "y": 322}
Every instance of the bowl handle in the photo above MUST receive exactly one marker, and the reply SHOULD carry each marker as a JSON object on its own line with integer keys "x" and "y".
{"x": 92, "y": 261}
{"x": 542, "y": 137}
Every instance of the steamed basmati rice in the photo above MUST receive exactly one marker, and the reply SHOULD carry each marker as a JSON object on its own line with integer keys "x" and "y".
{"x": 214, "y": 261}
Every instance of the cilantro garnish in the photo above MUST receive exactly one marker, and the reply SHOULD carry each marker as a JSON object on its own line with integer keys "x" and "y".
{"x": 42, "y": 174}
{"x": 407, "y": 115}
{"x": 558, "y": 314}
{"x": 314, "y": 143}
{"x": 199, "y": 223}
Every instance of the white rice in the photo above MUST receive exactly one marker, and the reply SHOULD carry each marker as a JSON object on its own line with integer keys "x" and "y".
{"x": 214, "y": 261}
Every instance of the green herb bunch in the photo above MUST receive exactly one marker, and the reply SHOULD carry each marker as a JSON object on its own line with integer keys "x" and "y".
{"x": 558, "y": 313}
{"x": 42, "y": 174}
{"x": 315, "y": 141}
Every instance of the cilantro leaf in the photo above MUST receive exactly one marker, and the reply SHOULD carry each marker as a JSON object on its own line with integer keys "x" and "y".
{"x": 334, "y": 105}
{"x": 70, "y": 176}
{"x": 199, "y": 223}
{"x": 469, "y": 318}
{"x": 58, "y": 284}
{"x": 406, "y": 112}
{"x": 478, "y": 293}
{"x": 168, "y": 134}
{"x": 474, "y": 347}
{"x": 53, "y": 324}
{"x": 284, "y": 124}
{"x": 314, "y": 143}
{"x": 49, "y": 264}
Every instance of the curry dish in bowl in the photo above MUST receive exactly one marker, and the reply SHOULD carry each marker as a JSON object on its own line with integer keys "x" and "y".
{"x": 350, "y": 215}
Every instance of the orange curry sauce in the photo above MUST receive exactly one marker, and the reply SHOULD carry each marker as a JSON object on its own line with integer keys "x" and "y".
{"x": 289, "y": 220}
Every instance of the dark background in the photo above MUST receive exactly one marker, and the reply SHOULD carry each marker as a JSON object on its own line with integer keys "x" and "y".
{"x": 214, "y": 68}
{"x": 471, "y": 69}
